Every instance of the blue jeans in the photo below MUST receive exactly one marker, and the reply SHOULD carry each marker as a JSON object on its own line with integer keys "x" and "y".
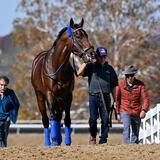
{"x": 97, "y": 109}
{"x": 4, "y": 129}
{"x": 131, "y": 125}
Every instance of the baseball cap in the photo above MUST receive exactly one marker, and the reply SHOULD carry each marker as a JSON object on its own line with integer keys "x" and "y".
{"x": 101, "y": 51}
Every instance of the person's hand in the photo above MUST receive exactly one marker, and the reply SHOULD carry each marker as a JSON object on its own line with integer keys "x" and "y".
{"x": 8, "y": 119}
{"x": 142, "y": 114}
{"x": 114, "y": 104}
{"x": 118, "y": 117}
{"x": 86, "y": 59}
{"x": 1, "y": 94}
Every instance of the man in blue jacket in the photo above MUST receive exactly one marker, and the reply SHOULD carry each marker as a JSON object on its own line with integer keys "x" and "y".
{"x": 9, "y": 106}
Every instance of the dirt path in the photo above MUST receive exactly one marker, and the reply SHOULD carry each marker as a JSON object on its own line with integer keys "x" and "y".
{"x": 29, "y": 147}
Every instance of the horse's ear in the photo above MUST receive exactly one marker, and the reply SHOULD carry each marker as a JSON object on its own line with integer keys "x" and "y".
{"x": 82, "y": 22}
{"x": 71, "y": 23}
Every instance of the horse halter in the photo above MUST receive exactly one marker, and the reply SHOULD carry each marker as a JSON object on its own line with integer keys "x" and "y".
{"x": 77, "y": 47}
{"x": 84, "y": 52}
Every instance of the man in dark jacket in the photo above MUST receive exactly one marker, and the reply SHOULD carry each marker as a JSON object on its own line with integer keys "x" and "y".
{"x": 130, "y": 110}
{"x": 102, "y": 79}
{"x": 9, "y": 106}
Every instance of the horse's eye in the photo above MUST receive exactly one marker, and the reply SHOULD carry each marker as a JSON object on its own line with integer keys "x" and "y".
{"x": 77, "y": 35}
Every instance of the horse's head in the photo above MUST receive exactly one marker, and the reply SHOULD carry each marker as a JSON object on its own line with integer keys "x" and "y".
{"x": 81, "y": 45}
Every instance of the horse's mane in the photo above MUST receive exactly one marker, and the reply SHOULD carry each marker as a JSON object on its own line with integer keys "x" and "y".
{"x": 59, "y": 35}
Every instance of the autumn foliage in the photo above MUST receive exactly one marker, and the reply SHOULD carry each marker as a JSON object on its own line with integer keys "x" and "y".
{"x": 129, "y": 30}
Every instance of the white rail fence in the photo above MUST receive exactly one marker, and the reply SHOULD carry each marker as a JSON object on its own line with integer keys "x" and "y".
{"x": 78, "y": 126}
{"x": 150, "y": 127}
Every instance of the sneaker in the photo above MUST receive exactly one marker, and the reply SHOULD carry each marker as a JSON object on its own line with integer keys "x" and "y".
{"x": 102, "y": 141}
{"x": 92, "y": 140}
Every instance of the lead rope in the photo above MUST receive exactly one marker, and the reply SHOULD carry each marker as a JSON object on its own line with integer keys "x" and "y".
{"x": 102, "y": 97}
{"x": 104, "y": 104}
{"x": 115, "y": 113}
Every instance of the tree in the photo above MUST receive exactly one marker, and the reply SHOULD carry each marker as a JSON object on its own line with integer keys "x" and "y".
{"x": 30, "y": 40}
{"x": 127, "y": 28}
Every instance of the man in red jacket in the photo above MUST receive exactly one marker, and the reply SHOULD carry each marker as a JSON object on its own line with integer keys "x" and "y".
{"x": 130, "y": 111}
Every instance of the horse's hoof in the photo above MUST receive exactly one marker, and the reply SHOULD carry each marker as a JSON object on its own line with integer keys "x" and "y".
{"x": 47, "y": 144}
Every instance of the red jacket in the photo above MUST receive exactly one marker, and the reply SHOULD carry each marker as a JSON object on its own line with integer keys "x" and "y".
{"x": 130, "y": 102}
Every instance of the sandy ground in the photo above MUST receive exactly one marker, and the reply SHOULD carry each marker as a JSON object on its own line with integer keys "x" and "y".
{"x": 30, "y": 147}
{"x": 36, "y": 140}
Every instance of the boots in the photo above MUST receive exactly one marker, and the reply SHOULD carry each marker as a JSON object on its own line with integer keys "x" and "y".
{"x": 92, "y": 140}
{"x": 102, "y": 141}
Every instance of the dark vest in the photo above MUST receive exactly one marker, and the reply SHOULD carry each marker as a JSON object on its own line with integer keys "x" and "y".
{"x": 104, "y": 76}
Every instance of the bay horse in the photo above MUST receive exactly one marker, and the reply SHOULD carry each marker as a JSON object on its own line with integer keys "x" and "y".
{"x": 53, "y": 80}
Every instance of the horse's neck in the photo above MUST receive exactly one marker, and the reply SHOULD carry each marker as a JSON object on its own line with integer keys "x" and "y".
{"x": 58, "y": 56}
{"x": 61, "y": 53}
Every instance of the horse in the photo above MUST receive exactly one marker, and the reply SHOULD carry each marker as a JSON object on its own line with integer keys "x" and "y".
{"x": 52, "y": 78}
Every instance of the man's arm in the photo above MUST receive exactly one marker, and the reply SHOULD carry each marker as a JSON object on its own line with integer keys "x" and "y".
{"x": 114, "y": 83}
{"x": 113, "y": 91}
{"x": 118, "y": 102}
{"x": 14, "y": 111}
{"x": 145, "y": 105}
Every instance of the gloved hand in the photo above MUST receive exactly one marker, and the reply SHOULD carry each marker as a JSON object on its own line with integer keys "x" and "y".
{"x": 118, "y": 117}
{"x": 93, "y": 54}
{"x": 86, "y": 58}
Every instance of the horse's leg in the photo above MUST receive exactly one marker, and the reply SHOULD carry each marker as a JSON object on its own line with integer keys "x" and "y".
{"x": 45, "y": 120}
{"x": 55, "y": 120}
{"x": 58, "y": 117}
{"x": 67, "y": 120}
{"x": 56, "y": 134}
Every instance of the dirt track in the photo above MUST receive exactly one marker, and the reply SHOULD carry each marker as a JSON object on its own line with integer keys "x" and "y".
{"x": 80, "y": 150}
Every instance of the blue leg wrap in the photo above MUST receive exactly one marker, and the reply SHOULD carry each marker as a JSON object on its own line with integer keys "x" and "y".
{"x": 54, "y": 133}
{"x": 46, "y": 137}
{"x": 67, "y": 135}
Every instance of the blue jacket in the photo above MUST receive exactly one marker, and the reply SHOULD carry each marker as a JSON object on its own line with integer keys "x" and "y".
{"x": 9, "y": 106}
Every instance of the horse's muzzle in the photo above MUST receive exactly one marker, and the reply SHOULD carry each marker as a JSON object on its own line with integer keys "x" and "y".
{"x": 87, "y": 58}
